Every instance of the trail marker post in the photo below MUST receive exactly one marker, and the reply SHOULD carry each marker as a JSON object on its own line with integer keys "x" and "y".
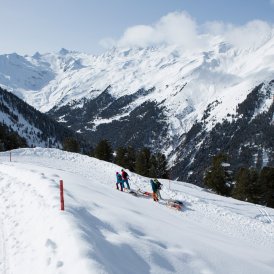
{"x": 62, "y": 195}
{"x": 10, "y": 156}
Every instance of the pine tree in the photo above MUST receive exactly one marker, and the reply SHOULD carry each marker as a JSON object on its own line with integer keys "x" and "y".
{"x": 142, "y": 165}
{"x": 266, "y": 181}
{"x": 246, "y": 187}
{"x": 245, "y": 158}
{"x": 161, "y": 167}
{"x": 153, "y": 167}
{"x": 239, "y": 191}
{"x": 120, "y": 157}
{"x": 90, "y": 152}
{"x": 254, "y": 188}
{"x": 218, "y": 177}
{"x": 10, "y": 139}
{"x": 125, "y": 157}
{"x": 130, "y": 158}
{"x": 259, "y": 162}
{"x": 103, "y": 151}
{"x": 71, "y": 144}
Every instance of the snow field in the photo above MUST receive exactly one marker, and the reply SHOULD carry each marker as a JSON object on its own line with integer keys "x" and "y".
{"x": 103, "y": 230}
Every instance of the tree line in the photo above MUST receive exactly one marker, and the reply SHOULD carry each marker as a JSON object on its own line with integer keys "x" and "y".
{"x": 142, "y": 161}
{"x": 10, "y": 139}
{"x": 246, "y": 184}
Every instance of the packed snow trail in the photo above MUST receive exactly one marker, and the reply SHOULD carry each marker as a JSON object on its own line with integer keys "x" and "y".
{"x": 103, "y": 230}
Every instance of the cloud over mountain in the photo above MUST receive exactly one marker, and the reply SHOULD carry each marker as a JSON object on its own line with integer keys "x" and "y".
{"x": 181, "y": 29}
{"x": 251, "y": 35}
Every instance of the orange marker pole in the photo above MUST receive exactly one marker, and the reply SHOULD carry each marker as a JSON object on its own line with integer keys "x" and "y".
{"x": 62, "y": 195}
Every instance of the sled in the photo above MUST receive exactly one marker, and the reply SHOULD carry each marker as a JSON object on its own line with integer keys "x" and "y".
{"x": 139, "y": 193}
{"x": 145, "y": 193}
{"x": 132, "y": 192}
{"x": 175, "y": 204}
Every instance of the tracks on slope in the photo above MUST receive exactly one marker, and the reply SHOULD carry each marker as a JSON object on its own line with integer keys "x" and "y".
{"x": 265, "y": 214}
{"x": 4, "y": 263}
{"x": 3, "y": 252}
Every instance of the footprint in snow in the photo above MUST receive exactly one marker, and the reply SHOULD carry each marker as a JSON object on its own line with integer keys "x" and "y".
{"x": 51, "y": 244}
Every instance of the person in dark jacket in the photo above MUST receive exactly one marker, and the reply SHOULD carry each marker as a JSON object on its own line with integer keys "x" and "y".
{"x": 119, "y": 181}
{"x": 125, "y": 178}
{"x": 159, "y": 186}
{"x": 154, "y": 190}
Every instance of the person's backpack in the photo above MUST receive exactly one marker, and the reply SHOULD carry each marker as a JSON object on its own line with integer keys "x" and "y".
{"x": 125, "y": 175}
{"x": 158, "y": 184}
{"x": 119, "y": 176}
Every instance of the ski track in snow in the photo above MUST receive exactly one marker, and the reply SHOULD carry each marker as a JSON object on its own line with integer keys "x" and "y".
{"x": 265, "y": 216}
{"x": 251, "y": 224}
{"x": 17, "y": 196}
{"x": 215, "y": 215}
{"x": 13, "y": 205}
{"x": 4, "y": 254}
{"x": 3, "y": 250}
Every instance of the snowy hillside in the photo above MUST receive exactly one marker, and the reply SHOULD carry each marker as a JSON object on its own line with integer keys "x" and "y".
{"x": 35, "y": 127}
{"x": 103, "y": 230}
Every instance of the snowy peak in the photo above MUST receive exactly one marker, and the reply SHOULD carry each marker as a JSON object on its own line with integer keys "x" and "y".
{"x": 22, "y": 75}
{"x": 63, "y": 51}
{"x": 72, "y": 76}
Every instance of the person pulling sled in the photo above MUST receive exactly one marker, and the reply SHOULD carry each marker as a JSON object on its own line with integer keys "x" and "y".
{"x": 159, "y": 187}
{"x": 156, "y": 186}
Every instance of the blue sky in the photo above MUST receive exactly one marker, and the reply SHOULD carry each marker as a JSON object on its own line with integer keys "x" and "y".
{"x": 27, "y": 26}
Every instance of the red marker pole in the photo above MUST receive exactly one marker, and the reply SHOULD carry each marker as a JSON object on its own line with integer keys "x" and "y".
{"x": 62, "y": 195}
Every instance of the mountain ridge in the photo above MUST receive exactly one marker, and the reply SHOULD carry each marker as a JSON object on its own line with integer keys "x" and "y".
{"x": 162, "y": 91}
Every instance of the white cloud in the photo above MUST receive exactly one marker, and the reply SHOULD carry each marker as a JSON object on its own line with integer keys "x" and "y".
{"x": 174, "y": 28}
{"x": 216, "y": 28}
{"x": 140, "y": 35}
{"x": 179, "y": 28}
{"x": 251, "y": 35}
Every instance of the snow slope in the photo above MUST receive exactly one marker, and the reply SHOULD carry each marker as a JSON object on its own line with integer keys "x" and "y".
{"x": 103, "y": 230}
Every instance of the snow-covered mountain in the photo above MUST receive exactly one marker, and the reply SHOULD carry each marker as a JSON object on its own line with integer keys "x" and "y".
{"x": 154, "y": 97}
{"x": 103, "y": 230}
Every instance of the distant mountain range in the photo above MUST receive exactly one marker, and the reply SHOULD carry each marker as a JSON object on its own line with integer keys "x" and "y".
{"x": 188, "y": 105}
